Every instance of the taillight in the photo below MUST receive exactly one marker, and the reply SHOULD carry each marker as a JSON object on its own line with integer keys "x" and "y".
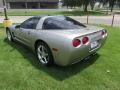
{"x": 85, "y": 40}
{"x": 76, "y": 42}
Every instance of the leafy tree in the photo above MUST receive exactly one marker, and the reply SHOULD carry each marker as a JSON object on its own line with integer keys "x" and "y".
{"x": 111, "y": 3}
{"x": 86, "y": 3}
{"x": 92, "y": 4}
{"x": 72, "y": 3}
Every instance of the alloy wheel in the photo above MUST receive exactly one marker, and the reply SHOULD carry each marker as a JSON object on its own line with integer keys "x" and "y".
{"x": 42, "y": 54}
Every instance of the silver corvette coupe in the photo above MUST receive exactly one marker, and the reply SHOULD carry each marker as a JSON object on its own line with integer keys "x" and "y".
{"x": 58, "y": 39}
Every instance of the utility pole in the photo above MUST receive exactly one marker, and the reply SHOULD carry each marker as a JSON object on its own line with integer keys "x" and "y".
{"x": 5, "y": 10}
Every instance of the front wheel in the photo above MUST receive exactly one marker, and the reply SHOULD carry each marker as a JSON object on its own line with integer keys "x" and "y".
{"x": 44, "y": 54}
{"x": 9, "y": 36}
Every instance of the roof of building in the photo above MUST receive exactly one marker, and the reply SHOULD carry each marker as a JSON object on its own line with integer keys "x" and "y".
{"x": 32, "y": 0}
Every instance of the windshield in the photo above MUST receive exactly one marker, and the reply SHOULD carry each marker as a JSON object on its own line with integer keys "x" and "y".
{"x": 61, "y": 22}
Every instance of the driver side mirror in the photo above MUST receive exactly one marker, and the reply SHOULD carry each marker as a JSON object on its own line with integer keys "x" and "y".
{"x": 18, "y": 26}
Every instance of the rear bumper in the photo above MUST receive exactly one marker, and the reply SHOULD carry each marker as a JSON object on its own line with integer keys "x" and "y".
{"x": 75, "y": 55}
{"x": 82, "y": 55}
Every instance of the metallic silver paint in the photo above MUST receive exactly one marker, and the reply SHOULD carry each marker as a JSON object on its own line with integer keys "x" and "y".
{"x": 61, "y": 40}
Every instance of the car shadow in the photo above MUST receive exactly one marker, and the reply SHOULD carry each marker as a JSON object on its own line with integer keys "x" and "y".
{"x": 57, "y": 72}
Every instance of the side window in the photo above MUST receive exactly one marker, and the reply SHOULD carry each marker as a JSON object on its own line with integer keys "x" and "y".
{"x": 50, "y": 24}
{"x": 30, "y": 23}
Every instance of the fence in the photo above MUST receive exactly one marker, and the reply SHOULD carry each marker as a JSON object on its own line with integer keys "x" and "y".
{"x": 111, "y": 20}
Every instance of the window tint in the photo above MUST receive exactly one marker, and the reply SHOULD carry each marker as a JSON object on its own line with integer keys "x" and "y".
{"x": 50, "y": 24}
{"x": 62, "y": 23}
{"x": 30, "y": 23}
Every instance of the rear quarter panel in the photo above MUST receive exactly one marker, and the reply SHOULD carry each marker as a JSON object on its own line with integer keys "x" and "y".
{"x": 54, "y": 40}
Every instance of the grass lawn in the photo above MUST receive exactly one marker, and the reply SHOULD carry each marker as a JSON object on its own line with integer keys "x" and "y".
{"x": 19, "y": 69}
{"x": 51, "y": 12}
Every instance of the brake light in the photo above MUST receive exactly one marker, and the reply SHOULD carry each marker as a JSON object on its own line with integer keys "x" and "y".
{"x": 85, "y": 40}
{"x": 76, "y": 42}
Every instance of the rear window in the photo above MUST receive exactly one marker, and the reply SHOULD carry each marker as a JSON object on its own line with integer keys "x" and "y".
{"x": 61, "y": 22}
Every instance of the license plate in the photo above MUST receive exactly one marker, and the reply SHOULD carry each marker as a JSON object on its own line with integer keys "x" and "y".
{"x": 94, "y": 44}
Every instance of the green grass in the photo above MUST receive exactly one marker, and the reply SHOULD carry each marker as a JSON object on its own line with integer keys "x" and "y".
{"x": 1, "y": 26}
{"x": 20, "y": 70}
{"x": 106, "y": 8}
{"x": 51, "y": 12}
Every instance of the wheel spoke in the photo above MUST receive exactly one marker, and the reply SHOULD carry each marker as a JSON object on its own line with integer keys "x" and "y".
{"x": 46, "y": 54}
{"x": 8, "y": 36}
{"x": 42, "y": 48}
{"x": 42, "y": 54}
{"x": 45, "y": 59}
{"x": 39, "y": 51}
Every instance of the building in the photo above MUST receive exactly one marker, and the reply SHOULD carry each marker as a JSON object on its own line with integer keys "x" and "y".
{"x": 32, "y": 4}
{"x": 1, "y": 4}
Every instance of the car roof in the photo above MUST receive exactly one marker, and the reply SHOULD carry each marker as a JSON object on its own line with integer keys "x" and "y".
{"x": 47, "y": 16}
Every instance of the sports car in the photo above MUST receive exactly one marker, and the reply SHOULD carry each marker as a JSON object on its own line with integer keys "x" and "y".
{"x": 58, "y": 39}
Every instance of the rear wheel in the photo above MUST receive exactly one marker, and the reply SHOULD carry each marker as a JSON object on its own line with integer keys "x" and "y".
{"x": 44, "y": 54}
{"x": 9, "y": 36}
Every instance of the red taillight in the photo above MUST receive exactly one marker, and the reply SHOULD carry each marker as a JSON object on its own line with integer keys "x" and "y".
{"x": 85, "y": 40}
{"x": 76, "y": 42}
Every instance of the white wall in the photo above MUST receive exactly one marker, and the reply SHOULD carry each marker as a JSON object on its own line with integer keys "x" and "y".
{"x": 1, "y": 4}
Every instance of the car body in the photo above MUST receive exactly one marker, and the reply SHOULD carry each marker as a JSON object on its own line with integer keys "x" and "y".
{"x": 68, "y": 40}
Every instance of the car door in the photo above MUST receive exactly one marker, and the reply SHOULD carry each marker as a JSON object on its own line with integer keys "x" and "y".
{"x": 27, "y": 29}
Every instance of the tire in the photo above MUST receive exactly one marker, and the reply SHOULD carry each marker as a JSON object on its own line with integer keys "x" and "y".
{"x": 94, "y": 54}
{"x": 44, "y": 54}
{"x": 9, "y": 36}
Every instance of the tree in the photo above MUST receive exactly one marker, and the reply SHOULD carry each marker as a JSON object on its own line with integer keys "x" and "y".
{"x": 86, "y": 3}
{"x": 66, "y": 3}
{"x": 72, "y": 3}
{"x": 92, "y": 4}
{"x": 111, "y": 3}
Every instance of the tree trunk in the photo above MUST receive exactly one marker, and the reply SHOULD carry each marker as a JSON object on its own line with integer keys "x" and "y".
{"x": 112, "y": 8}
{"x": 67, "y": 6}
{"x": 85, "y": 5}
{"x": 92, "y": 7}
{"x": 112, "y": 3}
{"x": 85, "y": 8}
